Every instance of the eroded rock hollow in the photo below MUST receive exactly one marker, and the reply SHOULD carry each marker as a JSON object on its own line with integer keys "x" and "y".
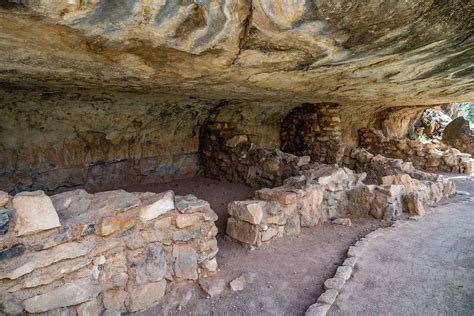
{"x": 312, "y": 104}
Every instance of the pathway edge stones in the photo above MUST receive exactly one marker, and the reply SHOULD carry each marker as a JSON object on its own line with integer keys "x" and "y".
{"x": 335, "y": 284}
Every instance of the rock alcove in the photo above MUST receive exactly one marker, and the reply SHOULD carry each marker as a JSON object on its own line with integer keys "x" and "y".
{"x": 307, "y": 104}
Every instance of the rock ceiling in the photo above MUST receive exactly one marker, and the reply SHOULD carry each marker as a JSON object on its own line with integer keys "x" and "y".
{"x": 351, "y": 52}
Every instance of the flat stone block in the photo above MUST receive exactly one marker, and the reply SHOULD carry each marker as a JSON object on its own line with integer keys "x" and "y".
{"x": 35, "y": 213}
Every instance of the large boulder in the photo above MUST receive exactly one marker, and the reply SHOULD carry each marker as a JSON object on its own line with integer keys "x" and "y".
{"x": 459, "y": 135}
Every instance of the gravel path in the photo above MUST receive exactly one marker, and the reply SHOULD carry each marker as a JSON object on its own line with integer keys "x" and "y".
{"x": 425, "y": 267}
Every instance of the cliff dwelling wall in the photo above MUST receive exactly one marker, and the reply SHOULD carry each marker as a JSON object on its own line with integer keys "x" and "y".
{"x": 57, "y": 140}
{"x": 62, "y": 140}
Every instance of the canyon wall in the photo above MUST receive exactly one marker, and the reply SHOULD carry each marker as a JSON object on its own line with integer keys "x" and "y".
{"x": 53, "y": 140}
{"x": 60, "y": 139}
{"x": 56, "y": 140}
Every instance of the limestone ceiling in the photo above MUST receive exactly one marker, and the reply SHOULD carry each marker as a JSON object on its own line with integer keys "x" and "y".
{"x": 351, "y": 52}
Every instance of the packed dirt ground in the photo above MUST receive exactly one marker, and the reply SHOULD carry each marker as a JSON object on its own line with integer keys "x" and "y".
{"x": 289, "y": 271}
{"x": 428, "y": 270}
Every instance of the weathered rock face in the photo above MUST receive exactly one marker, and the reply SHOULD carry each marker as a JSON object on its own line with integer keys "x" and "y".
{"x": 306, "y": 51}
{"x": 52, "y": 140}
{"x": 459, "y": 135}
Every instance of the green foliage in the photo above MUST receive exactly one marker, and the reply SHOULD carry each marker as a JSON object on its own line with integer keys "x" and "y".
{"x": 466, "y": 109}
{"x": 424, "y": 138}
{"x": 412, "y": 135}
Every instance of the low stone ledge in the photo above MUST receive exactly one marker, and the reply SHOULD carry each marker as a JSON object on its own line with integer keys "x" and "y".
{"x": 114, "y": 251}
{"x": 400, "y": 188}
{"x": 423, "y": 155}
{"x": 306, "y": 200}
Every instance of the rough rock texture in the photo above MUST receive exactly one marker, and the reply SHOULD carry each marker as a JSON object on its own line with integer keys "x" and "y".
{"x": 105, "y": 256}
{"x": 315, "y": 131}
{"x": 305, "y": 200}
{"x": 459, "y": 135}
{"x": 61, "y": 140}
{"x": 421, "y": 155}
{"x": 311, "y": 51}
{"x": 229, "y": 153}
{"x": 31, "y": 206}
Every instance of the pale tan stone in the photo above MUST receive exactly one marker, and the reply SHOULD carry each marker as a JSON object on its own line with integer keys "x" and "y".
{"x": 157, "y": 205}
{"x": 243, "y": 231}
{"x": 269, "y": 234}
{"x": 213, "y": 287}
{"x": 106, "y": 202}
{"x": 145, "y": 295}
{"x": 114, "y": 299}
{"x": 250, "y": 211}
{"x": 4, "y": 198}
{"x": 242, "y": 281}
{"x": 35, "y": 213}
{"x": 185, "y": 220}
{"x": 89, "y": 308}
{"x": 210, "y": 265}
{"x": 415, "y": 204}
{"x": 36, "y": 279}
{"x": 112, "y": 224}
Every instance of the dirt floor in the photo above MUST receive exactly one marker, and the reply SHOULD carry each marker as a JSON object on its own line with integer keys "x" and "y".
{"x": 289, "y": 271}
{"x": 217, "y": 193}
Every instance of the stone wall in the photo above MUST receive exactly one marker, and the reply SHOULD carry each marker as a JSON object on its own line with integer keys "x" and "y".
{"x": 306, "y": 200}
{"x": 423, "y": 155}
{"x": 58, "y": 140}
{"x": 394, "y": 186}
{"x": 315, "y": 130}
{"x": 111, "y": 251}
{"x": 229, "y": 153}
{"x": 321, "y": 192}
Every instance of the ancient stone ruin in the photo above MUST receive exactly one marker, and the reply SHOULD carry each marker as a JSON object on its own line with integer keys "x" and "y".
{"x": 310, "y": 104}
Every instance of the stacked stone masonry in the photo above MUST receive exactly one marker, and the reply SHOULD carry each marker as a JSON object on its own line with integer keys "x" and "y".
{"x": 423, "y": 155}
{"x": 315, "y": 130}
{"x": 303, "y": 201}
{"x": 322, "y": 192}
{"x": 111, "y": 251}
{"x": 228, "y": 153}
{"x": 395, "y": 186}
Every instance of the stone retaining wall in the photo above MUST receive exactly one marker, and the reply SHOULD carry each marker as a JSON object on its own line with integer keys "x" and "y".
{"x": 228, "y": 153}
{"x": 322, "y": 192}
{"x": 423, "y": 155}
{"x": 315, "y": 130}
{"x": 396, "y": 186}
{"x": 317, "y": 194}
{"x": 115, "y": 251}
